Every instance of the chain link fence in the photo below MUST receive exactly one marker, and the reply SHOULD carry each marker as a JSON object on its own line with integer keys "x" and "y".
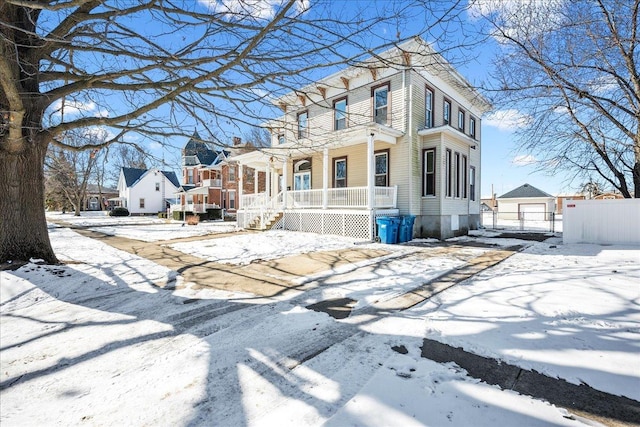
{"x": 522, "y": 221}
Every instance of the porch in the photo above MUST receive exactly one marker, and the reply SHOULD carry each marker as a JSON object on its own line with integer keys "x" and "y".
{"x": 193, "y": 207}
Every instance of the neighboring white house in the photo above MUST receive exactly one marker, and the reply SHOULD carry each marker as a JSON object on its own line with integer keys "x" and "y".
{"x": 146, "y": 191}
{"x": 397, "y": 135}
{"x": 526, "y": 203}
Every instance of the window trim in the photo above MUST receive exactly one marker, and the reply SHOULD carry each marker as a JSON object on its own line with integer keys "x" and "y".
{"x": 281, "y": 139}
{"x": 374, "y": 89}
{"x": 446, "y": 119}
{"x": 303, "y": 133}
{"x": 465, "y": 176}
{"x": 335, "y": 111}
{"x": 231, "y": 200}
{"x": 387, "y": 152}
{"x": 461, "y": 115}
{"x": 472, "y": 183}
{"x": 141, "y": 203}
{"x": 157, "y": 186}
{"x": 472, "y": 127}
{"x": 231, "y": 173}
{"x": 428, "y": 112}
{"x": 425, "y": 179}
{"x": 335, "y": 169}
{"x": 456, "y": 174}
{"x": 449, "y": 172}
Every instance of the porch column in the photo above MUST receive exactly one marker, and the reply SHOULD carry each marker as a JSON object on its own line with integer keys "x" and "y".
{"x": 370, "y": 174}
{"x": 267, "y": 181}
{"x": 285, "y": 178}
{"x": 325, "y": 178}
{"x": 255, "y": 181}
{"x": 240, "y": 185}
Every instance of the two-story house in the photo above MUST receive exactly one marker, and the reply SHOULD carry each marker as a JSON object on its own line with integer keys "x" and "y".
{"x": 211, "y": 178}
{"x": 398, "y": 134}
{"x": 146, "y": 191}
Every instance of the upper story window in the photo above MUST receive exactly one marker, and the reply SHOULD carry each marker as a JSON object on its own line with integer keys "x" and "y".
{"x": 340, "y": 114}
{"x": 446, "y": 112}
{"x": 460, "y": 120}
{"x": 428, "y": 100}
{"x": 232, "y": 173}
{"x": 189, "y": 176}
{"x": 472, "y": 127}
{"x": 281, "y": 139}
{"x": 381, "y": 104}
{"x": 157, "y": 186}
{"x": 303, "y": 124}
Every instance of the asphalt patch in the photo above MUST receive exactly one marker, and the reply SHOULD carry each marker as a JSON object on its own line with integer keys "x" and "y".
{"x": 536, "y": 237}
{"x": 338, "y": 308}
{"x": 585, "y": 401}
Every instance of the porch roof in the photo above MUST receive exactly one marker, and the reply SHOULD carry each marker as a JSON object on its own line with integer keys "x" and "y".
{"x": 344, "y": 138}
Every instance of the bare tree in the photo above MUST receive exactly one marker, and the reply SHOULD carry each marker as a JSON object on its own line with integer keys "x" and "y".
{"x": 68, "y": 172}
{"x": 158, "y": 68}
{"x": 571, "y": 68}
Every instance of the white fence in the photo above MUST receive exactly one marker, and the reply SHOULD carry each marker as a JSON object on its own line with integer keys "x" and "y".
{"x": 601, "y": 221}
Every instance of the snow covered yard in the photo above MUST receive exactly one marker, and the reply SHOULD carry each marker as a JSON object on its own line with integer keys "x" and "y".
{"x": 94, "y": 342}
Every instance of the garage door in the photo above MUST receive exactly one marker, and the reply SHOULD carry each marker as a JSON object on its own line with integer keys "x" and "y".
{"x": 532, "y": 211}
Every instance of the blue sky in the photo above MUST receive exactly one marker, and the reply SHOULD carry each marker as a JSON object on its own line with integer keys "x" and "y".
{"x": 503, "y": 168}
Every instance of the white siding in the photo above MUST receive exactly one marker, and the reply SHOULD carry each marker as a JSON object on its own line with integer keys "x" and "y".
{"x": 601, "y": 221}
{"x": 145, "y": 188}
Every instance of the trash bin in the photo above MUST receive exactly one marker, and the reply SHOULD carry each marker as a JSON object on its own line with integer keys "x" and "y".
{"x": 388, "y": 229}
{"x": 405, "y": 232}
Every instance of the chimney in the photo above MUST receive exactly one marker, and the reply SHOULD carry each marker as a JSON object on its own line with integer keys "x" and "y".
{"x": 237, "y": 141}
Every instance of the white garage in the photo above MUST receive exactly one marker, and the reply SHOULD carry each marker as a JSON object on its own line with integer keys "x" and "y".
{"x": 526, "y": 203}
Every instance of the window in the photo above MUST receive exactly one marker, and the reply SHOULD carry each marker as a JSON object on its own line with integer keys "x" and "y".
{"x": 460, "y": 120}
{"x": 302, "y": 175}
{"x": 429, "y": 167}
{"x": 303, "y": 124}
{"x": 429, "y": 108}
{"x": 189, "y": 176}
{"x": 157, "y": 186}
{"x": 281, "y": 139}
{"x": 232, "y": 199}
{"x": 232, "y": 173}
{"x": 464, "y": 176}
{"x": 382, "y": 168}
{"x": 472, "y": 127}
{"x": 380, "y": 104}
{"x": 141, "y": 203}
{"x": 449, "y": 173}
{"x": 340, "y": 172}
{"x": 456, "y": 176}
{"x": 472, "y": 183}
{"x": 446, "y": 112}
{"x": 340, "y": 114}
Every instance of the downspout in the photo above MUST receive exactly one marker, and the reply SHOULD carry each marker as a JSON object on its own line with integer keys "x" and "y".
{"x": 409, "y": 133}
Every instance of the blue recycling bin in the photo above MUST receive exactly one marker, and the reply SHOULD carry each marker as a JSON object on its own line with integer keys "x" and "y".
{"x": 388, "y": 229}
{"x": 405, "y": 232}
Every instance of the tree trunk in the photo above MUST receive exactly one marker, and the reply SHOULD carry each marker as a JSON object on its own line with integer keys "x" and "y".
{"x": 23, "y": 226}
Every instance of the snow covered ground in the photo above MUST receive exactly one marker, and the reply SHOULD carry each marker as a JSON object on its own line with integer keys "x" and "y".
{"x": 94, "y": 342}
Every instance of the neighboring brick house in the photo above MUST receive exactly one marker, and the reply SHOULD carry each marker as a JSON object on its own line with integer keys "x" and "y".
{"x": 211, "y": 177}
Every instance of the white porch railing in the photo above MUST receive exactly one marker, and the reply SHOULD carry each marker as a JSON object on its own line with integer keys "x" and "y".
{"x": 194, "y": 207}
{"x": 342, "y": 198}
{"x": 212, "y": 182}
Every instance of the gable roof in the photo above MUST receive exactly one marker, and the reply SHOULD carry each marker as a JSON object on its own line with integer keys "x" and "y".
{"x": 525, "y": 190}
{"x": 132, "y": 175}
